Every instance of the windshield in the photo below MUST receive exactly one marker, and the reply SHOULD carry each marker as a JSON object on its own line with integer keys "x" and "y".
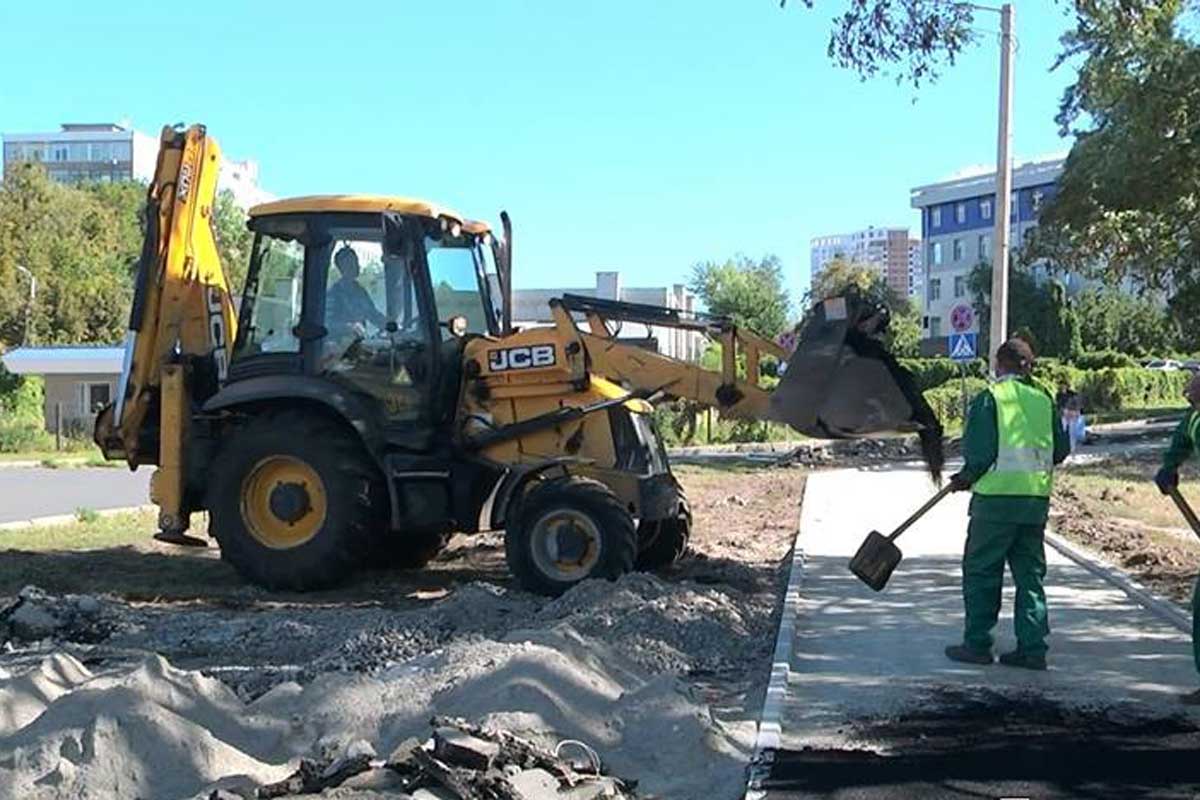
{"x": 271, "y": 302}
{"x": 455, "y": 273}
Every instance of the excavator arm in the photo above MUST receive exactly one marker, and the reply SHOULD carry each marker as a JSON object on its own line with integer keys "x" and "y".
{"x": 181, "y": 324}
{"x": 838, "y": 382}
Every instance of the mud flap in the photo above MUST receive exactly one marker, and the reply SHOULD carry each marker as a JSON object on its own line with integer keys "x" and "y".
{"x": 841, "y": 382}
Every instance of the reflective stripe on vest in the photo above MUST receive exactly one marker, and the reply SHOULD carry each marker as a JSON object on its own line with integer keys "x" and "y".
{"x": 1193, "y": 429}
{"x": 1025, "y": 442}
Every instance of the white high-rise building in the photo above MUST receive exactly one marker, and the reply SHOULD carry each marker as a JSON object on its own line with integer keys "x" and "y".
{"x": 887, "y": 249}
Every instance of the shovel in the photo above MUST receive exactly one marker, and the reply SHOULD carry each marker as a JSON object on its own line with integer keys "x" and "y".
{"x": 1186, "y": 510}
{"x": 878, "y": 556}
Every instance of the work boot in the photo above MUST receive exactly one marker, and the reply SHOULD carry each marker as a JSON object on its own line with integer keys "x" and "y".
{"x": 1192, "y": 699}
{"x": 1018, "y": 658}
{"x": 968, "y": 655}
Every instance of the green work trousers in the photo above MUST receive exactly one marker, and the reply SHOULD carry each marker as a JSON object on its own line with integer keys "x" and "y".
{"x": 1196, "y": 624}
{"x": 989, "y": 546}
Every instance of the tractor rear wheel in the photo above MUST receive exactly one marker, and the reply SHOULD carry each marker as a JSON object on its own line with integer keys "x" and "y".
{"x": 568, "y": 530}
{"x": 662, "y": 542}
{"x": 293, "y": 501}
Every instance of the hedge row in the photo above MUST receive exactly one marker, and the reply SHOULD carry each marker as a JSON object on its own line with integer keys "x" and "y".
{"x": 21, "y": 420}
{"x": 1101, "y": 389}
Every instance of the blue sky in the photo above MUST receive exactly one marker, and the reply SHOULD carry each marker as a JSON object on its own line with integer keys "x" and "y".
{"x": 620, "y": 135}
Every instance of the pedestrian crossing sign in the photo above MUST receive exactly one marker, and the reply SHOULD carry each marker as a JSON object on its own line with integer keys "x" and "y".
{"x": 962, "y": 346}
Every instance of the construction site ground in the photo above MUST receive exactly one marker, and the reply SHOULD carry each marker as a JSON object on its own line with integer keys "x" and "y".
{"x": 157, "y": 673}
{"x": 662, "y": 674}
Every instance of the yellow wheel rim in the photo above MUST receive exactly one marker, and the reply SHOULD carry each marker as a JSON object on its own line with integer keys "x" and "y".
{"x": 566, "y": 544}
{"x": 283, "y": 502}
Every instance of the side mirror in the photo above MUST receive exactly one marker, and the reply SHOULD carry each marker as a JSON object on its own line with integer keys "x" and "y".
{"x": 457, "y": 326}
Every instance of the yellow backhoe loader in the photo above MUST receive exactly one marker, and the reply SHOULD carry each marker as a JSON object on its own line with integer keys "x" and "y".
{"x": 370, "y": 397}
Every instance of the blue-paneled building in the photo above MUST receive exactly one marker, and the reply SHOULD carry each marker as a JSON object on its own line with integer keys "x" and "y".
{"x": 957, "y": 224}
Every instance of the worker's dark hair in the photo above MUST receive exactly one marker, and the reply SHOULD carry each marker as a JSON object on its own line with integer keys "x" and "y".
{"x": 1015, "y": 355}
{"x": 345, "y": 257}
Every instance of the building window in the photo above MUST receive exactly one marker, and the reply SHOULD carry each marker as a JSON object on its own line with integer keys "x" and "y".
{"x": 935, "y": 327}
{"x": 985, "y": 247}
{"x": 97, "y": 396}
{"x": 985, "y": 208}
{"x": 1012, "y": 207}
{"x": 960, "y": 213}
{"x": 960, "y": 285}
{"x": 61, "y": 152}
{"x": 935, "y": 216}
{"x": 935, "y": 253}
{"x": 958, "y": 249}
{"x": 935, "y": 289}
{"x": 1036, "y": 199}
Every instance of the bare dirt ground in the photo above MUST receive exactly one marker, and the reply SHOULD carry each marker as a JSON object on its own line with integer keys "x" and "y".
{"x": 1115, "y": 509}
{"x": 663, "y": 674}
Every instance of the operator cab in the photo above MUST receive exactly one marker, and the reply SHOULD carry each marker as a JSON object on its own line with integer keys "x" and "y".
{"x": 377, "y": 294}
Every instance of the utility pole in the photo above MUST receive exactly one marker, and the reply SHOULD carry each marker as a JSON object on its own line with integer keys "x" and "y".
{"x": 1000, "y": 252}
{"x": 25, "y": 341}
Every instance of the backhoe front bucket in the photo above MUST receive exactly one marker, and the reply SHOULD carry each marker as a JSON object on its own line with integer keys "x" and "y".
{"x": 841, "y": 382}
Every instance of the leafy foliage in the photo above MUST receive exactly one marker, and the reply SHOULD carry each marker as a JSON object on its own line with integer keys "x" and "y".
{"x": 1128, "y": 205}
{"x": 1114, "y": 320}
{"x": 913, "y": 38}
{"x": 749, "y": 292}
{"x": 1040, "y": 313}
{"x": 842, "y": 275}
{"x": 81, "y": 243}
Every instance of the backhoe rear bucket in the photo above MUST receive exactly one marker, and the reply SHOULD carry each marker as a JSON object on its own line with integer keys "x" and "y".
{"x": 841, "y": 382}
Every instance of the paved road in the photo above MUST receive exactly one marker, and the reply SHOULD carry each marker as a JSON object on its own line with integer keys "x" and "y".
{"x": 38, "y": 492}
{"x": 871, "y": 697}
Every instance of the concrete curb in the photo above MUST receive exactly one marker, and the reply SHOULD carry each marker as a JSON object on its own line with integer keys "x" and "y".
{"x": 67, "y": 519}
{"x": 770, "y": 720}
{"x": 1160, "y": 607}
{"x": 69, "y": 461}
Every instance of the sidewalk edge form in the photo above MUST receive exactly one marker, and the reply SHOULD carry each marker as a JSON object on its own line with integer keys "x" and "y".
{"x": 770, "y": 720}
{"x": 1160, "y": 607}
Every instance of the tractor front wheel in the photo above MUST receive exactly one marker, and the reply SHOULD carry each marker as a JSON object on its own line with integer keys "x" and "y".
{"x": 567, "y": 530}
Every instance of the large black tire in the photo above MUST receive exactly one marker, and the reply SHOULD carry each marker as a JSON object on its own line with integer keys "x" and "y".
{"x": 663, "y": 542}
{"x": 406, "y": 550}
{"x": 591, "y": 513}
{"x": 338, "y": 510}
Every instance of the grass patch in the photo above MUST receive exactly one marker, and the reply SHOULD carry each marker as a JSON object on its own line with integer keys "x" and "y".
{"x": 1105, "y": 417}
{"x": 1123, "y": 490}
{"x": 68, "y": 456}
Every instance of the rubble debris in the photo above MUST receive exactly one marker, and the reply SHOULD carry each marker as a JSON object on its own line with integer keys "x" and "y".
{"x": 472, "y": 762}
{"x": 314, "y": 776}
{"x": 36, "y": 615}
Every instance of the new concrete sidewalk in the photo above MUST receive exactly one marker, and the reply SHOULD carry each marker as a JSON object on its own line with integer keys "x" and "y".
{"x": 858, "y": 654}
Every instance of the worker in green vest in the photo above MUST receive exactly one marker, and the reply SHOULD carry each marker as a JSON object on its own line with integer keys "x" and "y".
{"x": 1184, "y": 444}
{"x": 1011, "y": 443}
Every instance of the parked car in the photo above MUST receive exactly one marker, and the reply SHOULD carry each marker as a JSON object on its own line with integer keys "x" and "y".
{"x": 1192, "y": 366}
{"x": 1164, "y": 365}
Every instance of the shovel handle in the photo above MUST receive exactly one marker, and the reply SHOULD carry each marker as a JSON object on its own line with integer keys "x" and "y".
{"x": 1185, "y": 509}
{"x": 920, "y": 512}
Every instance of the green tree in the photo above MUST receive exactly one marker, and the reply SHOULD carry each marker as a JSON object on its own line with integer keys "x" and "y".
{"x": 842, "y": 275}
{"x": 1114, "y": 320}
{"x": 749, "y": 292}
{"x": 1127, "y": 204}
{"x": 79, "y": 251}
{"x": 234, "y": 240}
{"x": 1042, "y": 311}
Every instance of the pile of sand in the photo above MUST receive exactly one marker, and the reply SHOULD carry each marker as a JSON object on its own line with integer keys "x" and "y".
{"x": 157, "y": 731}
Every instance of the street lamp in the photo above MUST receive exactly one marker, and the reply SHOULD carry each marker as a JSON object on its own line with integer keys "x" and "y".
{"x": 998, "y": 331}
{"x": 25, "y": 339}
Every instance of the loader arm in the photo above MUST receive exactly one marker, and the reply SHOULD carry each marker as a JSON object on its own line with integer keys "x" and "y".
{"x": 182, "y": 321}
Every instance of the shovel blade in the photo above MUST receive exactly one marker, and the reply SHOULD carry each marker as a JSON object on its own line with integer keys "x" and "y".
{"x": 876, "y": 559}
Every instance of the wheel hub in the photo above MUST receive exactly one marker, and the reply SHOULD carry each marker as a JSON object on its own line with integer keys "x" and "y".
{"x": 283, "y": 502}
{"x": 566, "y": 544}
{"x": 290, "y": 502}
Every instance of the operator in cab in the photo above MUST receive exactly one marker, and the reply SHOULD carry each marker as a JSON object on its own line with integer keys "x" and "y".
{"x": 1184, "y": 444}
{"x": 1012, "y": 442}
{"x": 347, "y": 303}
